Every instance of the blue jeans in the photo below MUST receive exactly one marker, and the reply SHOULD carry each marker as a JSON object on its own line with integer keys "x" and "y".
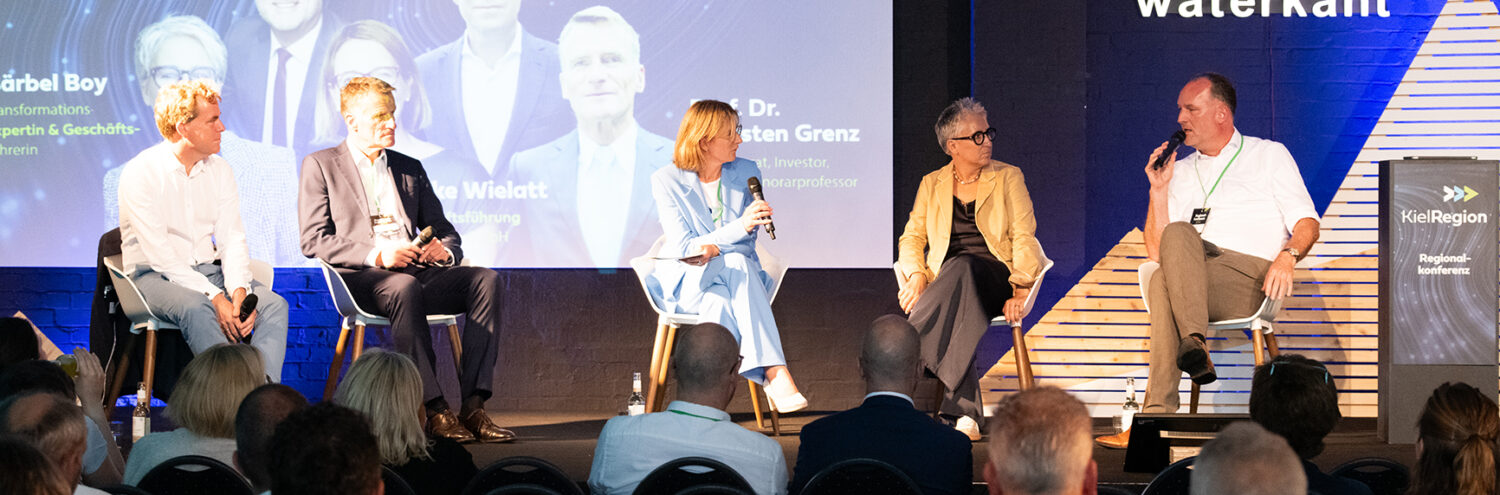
{"x": 195, "y": 315}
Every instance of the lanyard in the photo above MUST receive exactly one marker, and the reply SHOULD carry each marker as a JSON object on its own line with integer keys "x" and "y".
{"x": 684, "y": 413}
{"x": 1210, "y": 191}
{"x": 719, "y": 215}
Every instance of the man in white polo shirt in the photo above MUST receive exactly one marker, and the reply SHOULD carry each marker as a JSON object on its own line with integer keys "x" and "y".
{"x": 1228, "y": 224}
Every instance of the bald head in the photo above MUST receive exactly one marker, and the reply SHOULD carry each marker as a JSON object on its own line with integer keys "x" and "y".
{"x": 704, "y": 362}
{"x": 52, "y": 424}
{"x": 889, "y": 356}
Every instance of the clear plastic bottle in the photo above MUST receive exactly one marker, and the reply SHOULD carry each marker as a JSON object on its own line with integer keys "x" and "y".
{"x": 636, "y": 404}
{"x": 140, "y": 419}
{"x": 1127, "y": 411}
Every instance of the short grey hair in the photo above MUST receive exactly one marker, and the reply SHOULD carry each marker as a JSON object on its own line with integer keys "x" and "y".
{"x": 150, "y": 39}
{"x": 1246, "y": 459}
{"x": 1041, "y": 442}
{"x": 601, "y": 16}
{"x": 53, "y": 425}
{"x": 947, "y": 121}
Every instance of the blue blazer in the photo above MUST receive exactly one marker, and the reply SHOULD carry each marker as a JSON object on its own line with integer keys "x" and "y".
{"x": 687, "y": 223}
{"x": 889, "y": 429}
{"x": 539, "y": 114}
{"x": 556, "y": 239}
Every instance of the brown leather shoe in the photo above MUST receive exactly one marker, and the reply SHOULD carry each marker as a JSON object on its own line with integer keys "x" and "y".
{"x": 1116, "y": 441}
{"x": 445, "y": 424}
{"x": 478, "y": 422}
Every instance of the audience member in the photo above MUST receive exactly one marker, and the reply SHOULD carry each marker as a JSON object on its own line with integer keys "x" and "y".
{"x": 1245, "y": 459}
{"x": 56, "y": 427}
{"x": 102, "y": 462}
{"x": 706, "y": 367}
{"x": 385, "y": 387}
{"x": 17, "y": 342}
{"x": 326, "y": 449}
{"x": 887, "y": 426}
{"x": 260, "y": 412}
{"x": 1295, "y": 397}
{"x": 1040, "y": 443}
{"x": 24, "y": 469}
{"x": 1456, "y": 448}
{"x": 203, "y": 407}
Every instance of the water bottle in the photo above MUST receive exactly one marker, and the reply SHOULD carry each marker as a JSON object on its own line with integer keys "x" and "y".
{"x": 636, "y": 404}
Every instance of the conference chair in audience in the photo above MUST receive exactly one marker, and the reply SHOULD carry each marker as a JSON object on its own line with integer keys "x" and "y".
{"x": 667, "y": 324}
{"x": 861, "y": 476}
{"x": 194, "y": 474}
{"x": 352, "y": 316}
{"x": 526, "y": 472}
{"x": 394, "y": 483}
{"x": 697, "y": 473}
{"x": 1176, "y": 479}
{"x": 123, "y": 490}
{"x": 143, "y": 320}
{"x": 1262, "y": 334}
{"x": 1383, "y": 476}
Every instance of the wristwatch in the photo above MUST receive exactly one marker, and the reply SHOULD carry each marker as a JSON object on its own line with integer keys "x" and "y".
{"x": 1296, "y": 255}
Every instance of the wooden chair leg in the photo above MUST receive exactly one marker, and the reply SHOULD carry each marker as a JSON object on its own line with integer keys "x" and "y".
{"x": 148, "y": 367}
{"x": 1271, "y": 347}
{"x": 1193, "y": 400}
{"x": 663, "y": 368}
{"x": 775, "y": 417}
{"x": 1023, "y": 361}
{"x": 458, "y": 349}
{"x": 1258, "y": 345}
{"x": 359, "y": 342}
{"x": 338, "y": 361}
{"x": 653, "y": 380}
{"x": 755, "y": 404}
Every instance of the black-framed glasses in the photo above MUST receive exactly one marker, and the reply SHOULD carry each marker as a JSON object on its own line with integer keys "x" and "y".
{"x": 979, "y": 137}
{"x": 165, "y": 75}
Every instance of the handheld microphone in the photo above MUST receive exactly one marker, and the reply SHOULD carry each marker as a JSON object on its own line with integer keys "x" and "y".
{"x": 423, "y": 238}
{"x": 248, "y": 306}
{"x": 754, "y": 184}
{"x": 1172, "y": 145}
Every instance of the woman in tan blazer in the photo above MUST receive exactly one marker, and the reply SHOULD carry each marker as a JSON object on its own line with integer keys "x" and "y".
{"x": 969, "y": 253}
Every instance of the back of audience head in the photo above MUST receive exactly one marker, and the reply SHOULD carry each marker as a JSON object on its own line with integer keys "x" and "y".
{"x": 705, "y": 365}
{"x": 889, "y": 358}
{"x": 211, "y": 387}
{"x": 1456, "y": 442}
{"x": 35, "y": 375}
{"x": 255, "y": 422}
{"x": 385, "y": 387}
{"x": 17, "y": 342}
{"x": 1295, "y": 397}
{"x": 24, "y": 469}
{"x": 52, "y": 424}
{"x": 325, "y": 449}
{"x": 1246, "y": 459}
{"x": 1041, "y": 443}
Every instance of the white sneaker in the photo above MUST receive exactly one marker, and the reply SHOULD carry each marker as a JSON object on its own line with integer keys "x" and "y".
{"x": 968, "y": 427}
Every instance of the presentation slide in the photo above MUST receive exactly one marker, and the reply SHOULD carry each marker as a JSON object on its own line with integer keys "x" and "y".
{"x": 532, "y": 119}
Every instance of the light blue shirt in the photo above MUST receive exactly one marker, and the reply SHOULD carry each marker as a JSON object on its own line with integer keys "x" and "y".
{"x": 630, "y": 447}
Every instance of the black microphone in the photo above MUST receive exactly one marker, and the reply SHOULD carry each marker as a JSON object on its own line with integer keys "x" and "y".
{"x": 1172, "y": 145}
{"x": 248, "y": 306}
{"x": 424, "y": 237}
{"x": 754, "y": 184}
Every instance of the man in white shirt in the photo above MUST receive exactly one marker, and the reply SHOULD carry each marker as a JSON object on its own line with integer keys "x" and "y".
{"x": 274, "y": 78}
{"x": 1228, "y": 224}
{"x": 598, "y": 211}
{"x": 181, "y": 236}
{"x": 694, "y": 425}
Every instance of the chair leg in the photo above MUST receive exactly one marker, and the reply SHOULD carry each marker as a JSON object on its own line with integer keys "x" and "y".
{"x": 148, "y": 367}
{"x": 359, "y": 342}
{"x": 664, "y": 366}
{"x": 775, "y": 416}
{"x": 338, "y": 361}
{"x": 657, "y": 347}
{"x": 1023, "y": 361}
{"x": 458, "y": 349}
{"x": 1258, "y": 344}
{"x": 1271, "y": 347}
{"x": 1193, "y": 400}
{"x": 755, "y": 404}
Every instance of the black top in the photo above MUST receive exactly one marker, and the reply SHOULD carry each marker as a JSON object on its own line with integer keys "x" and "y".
{"x": 965, "y": 237}
{"x": 450, "y": 468}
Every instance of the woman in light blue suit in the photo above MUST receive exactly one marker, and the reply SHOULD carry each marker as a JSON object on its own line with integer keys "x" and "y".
{"x": 710, "y": 222}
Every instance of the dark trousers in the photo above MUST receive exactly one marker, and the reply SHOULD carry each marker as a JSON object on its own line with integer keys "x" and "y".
{"x": 951, "y": 316}
{"x": 407, "y": 296}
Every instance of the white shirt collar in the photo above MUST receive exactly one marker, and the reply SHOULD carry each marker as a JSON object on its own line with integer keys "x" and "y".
{"x": 892, "y": 394}
{"x": 473, "y": 58}
{"x": 303, "y": 47}
{"x": 359, "y": 156}
{"x": 623, "y": 147}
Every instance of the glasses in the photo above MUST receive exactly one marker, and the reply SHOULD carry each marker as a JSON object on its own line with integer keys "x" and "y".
{"x": 387, "y": 74}
{"x": 979, "y": 137}
{"x": 165, "y": 75}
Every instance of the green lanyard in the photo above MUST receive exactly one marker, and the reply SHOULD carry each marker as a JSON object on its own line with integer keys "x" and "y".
{"x": 719, "y": 215}
{"x": 1210, "y": 192}
{"x": 692, "y": 415}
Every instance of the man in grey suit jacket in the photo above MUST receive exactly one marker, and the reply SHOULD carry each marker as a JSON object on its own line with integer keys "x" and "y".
{"x": 297, "y": 32}
{"x": 360, "y": 206}
{"x": 598, "y": 211}
{"x": 498, "y": 79}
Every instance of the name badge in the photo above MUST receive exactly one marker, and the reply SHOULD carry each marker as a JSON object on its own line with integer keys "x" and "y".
{"x": 1200, "y": 216}
{"x": 385, "y": 227}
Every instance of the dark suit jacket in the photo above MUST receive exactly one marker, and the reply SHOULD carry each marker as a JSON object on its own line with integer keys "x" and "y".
{"x": 249, "y": 42}
{"x": 539, "y": 114}
{"x": 889, "y": 429}
{"x": 335, "y": 216}
{"x": 556, "y": 239}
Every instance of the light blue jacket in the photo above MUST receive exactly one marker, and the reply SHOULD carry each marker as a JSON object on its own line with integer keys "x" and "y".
{"x": 687, "y": 223}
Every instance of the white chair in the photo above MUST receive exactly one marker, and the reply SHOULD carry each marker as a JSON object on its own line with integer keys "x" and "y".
{"x": 667, "y": 324}
{"x": 1017, "y": 333}
{"x": 1262, "y": 334}
{"x": 351, "y": 315}
{"x": 141, "y": 317}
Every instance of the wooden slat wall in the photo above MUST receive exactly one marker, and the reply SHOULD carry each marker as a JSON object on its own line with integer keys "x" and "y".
{"x": 1096, "y": 336}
